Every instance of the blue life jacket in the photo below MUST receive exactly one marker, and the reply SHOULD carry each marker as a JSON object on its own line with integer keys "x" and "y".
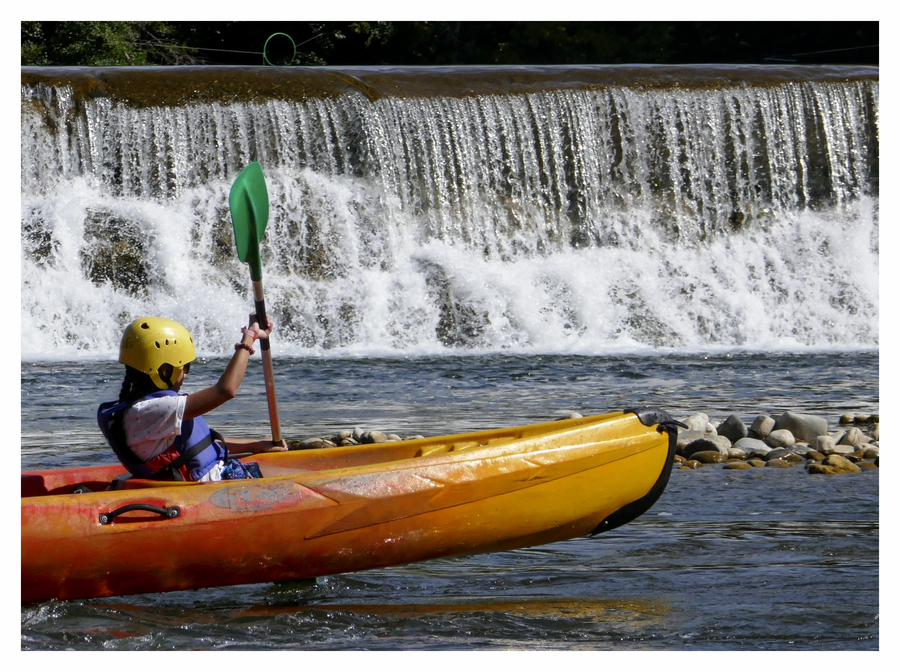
{"x": 198, "y": 446}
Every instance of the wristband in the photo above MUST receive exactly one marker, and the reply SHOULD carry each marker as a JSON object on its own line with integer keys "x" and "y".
{"x": 249, "y": 332}
{"x": 244, "y": 346}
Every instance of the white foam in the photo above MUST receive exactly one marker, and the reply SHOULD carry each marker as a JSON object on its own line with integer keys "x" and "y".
{"x": 538, "y": 223}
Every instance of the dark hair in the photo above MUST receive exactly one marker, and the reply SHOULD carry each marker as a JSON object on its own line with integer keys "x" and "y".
{"x": 137, "y": 384}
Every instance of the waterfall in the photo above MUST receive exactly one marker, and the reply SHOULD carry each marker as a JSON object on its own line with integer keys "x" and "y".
{"x": 571, "y": 219}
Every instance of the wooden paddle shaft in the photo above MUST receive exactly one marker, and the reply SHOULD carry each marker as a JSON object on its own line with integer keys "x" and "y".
{"x": 267, "y": 361}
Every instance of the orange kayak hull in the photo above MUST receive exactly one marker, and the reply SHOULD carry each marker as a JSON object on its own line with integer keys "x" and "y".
{"x": 336, "y": 510}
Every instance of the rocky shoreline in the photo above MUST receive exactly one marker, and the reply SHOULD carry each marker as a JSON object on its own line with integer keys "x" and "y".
{"x": 790, "y": 440}
{"x": 353, "y": 437}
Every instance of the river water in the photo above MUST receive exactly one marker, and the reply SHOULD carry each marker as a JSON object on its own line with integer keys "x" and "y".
{"x": 459, "y": 249}
{"x": 770, "y": 559}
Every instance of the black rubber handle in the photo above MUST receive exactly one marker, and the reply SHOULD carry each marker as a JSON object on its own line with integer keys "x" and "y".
{"x": 168, "y": 512}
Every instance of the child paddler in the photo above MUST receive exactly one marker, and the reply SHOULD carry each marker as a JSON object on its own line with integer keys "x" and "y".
{"x": 155, "y": 431}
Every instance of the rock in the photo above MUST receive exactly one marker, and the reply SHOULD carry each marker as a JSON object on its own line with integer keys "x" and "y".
{"x": 853, "y": 437}
{"x": 736, "y": 453}
{"x": 837, "y": 461}
{"x": 870, "y": 453}
{"x": 394, "y": 437}
{"x": 761, "y": 427}
{"x": 780, "y": 438}
{"x": 703, "y": 445}
{"x": 709, "y": 457}
{"x": 861, "y": 419}
{"x": 842, "y": 450}
{"x": 733, "y": 428}
{"x": 825, "y": 444}
{"x": 847, "y": 419}
{"x": 821, "y": 469}
{"x": 866, "y": 465}
{"x": 803, "y": 427}
{"x": 678, "y": 459}
{"x": 357, "y": 433}
{"x": 737, "y": 465}
{"x": 691, "y": 464}
{"x": 685, "y": 437}
{"x": 349, "y": 442}
{"x": 815, "y": 455}
{"x": 571, "y": 415}
{"x": 756, "y": 462}
{"x": 373, "y": 436}
{"x": 723, "y": 442}
{"x": 311, "y": 444}
{"x": 777, "y": 454}
{"x": 698, "y": 422}
{"x": 800, "y": 449}
{"x": 841, "y": 464}
{"x": 783, "y": 454}
{"x": 749, "y": 445}
{"x": 875, "y": 432}
{"x": 778, "y": 463}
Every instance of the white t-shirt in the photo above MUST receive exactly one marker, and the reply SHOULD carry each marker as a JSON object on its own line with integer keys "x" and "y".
{"x": 151, "y": 425}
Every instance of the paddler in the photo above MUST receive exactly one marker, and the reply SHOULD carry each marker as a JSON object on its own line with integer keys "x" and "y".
{"x": 155, "y": 431}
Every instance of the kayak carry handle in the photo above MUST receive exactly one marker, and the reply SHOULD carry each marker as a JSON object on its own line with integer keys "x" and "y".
{"x": 168, "y": 512}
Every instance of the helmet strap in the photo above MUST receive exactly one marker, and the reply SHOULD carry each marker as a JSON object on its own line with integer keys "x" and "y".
{"x": 167, "y": 379}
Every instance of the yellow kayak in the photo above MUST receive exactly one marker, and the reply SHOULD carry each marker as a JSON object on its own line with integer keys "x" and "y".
{"x": 334, "y": 510}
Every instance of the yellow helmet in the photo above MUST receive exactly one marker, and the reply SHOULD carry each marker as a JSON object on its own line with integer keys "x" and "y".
{"x": 150, "y": 342}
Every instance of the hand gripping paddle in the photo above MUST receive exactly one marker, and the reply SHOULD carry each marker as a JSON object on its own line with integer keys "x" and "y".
{"x": 249, "y": 203}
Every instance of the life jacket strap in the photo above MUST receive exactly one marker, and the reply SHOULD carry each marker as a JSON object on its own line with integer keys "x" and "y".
{"x": 171, "y": 470}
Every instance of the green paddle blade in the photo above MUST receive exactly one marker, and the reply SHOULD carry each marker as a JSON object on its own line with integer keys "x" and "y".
{"x": 249, "y": 203}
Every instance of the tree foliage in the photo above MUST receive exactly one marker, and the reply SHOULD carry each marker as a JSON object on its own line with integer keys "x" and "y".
{"x": 99, "y": 43}
{"x": 104, "y": 43}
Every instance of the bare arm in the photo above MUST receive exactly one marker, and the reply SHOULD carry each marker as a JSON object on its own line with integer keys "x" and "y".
{"x": 239, "y": 446}
{"x": 226, "y": 389}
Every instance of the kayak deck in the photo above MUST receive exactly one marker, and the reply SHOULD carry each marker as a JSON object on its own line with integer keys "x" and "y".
{"x": 97, "y": 478}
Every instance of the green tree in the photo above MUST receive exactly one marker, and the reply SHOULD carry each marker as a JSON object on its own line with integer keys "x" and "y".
{"x": 102, "y": 43}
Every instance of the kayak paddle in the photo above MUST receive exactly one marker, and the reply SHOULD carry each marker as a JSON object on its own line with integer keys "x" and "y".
{"x": 249, "y": 203}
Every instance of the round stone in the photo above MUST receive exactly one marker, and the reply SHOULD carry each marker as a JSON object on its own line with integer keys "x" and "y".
{"x": 780, "y": 438}
{"x": 777, "y": 454}
{"x": 703, "y": 445}
{"x": 778, "y": 463}
{"x": 709, "y": 457}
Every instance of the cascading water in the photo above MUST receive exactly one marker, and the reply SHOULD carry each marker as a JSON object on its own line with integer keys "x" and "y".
{"x": 556, "y": 219}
